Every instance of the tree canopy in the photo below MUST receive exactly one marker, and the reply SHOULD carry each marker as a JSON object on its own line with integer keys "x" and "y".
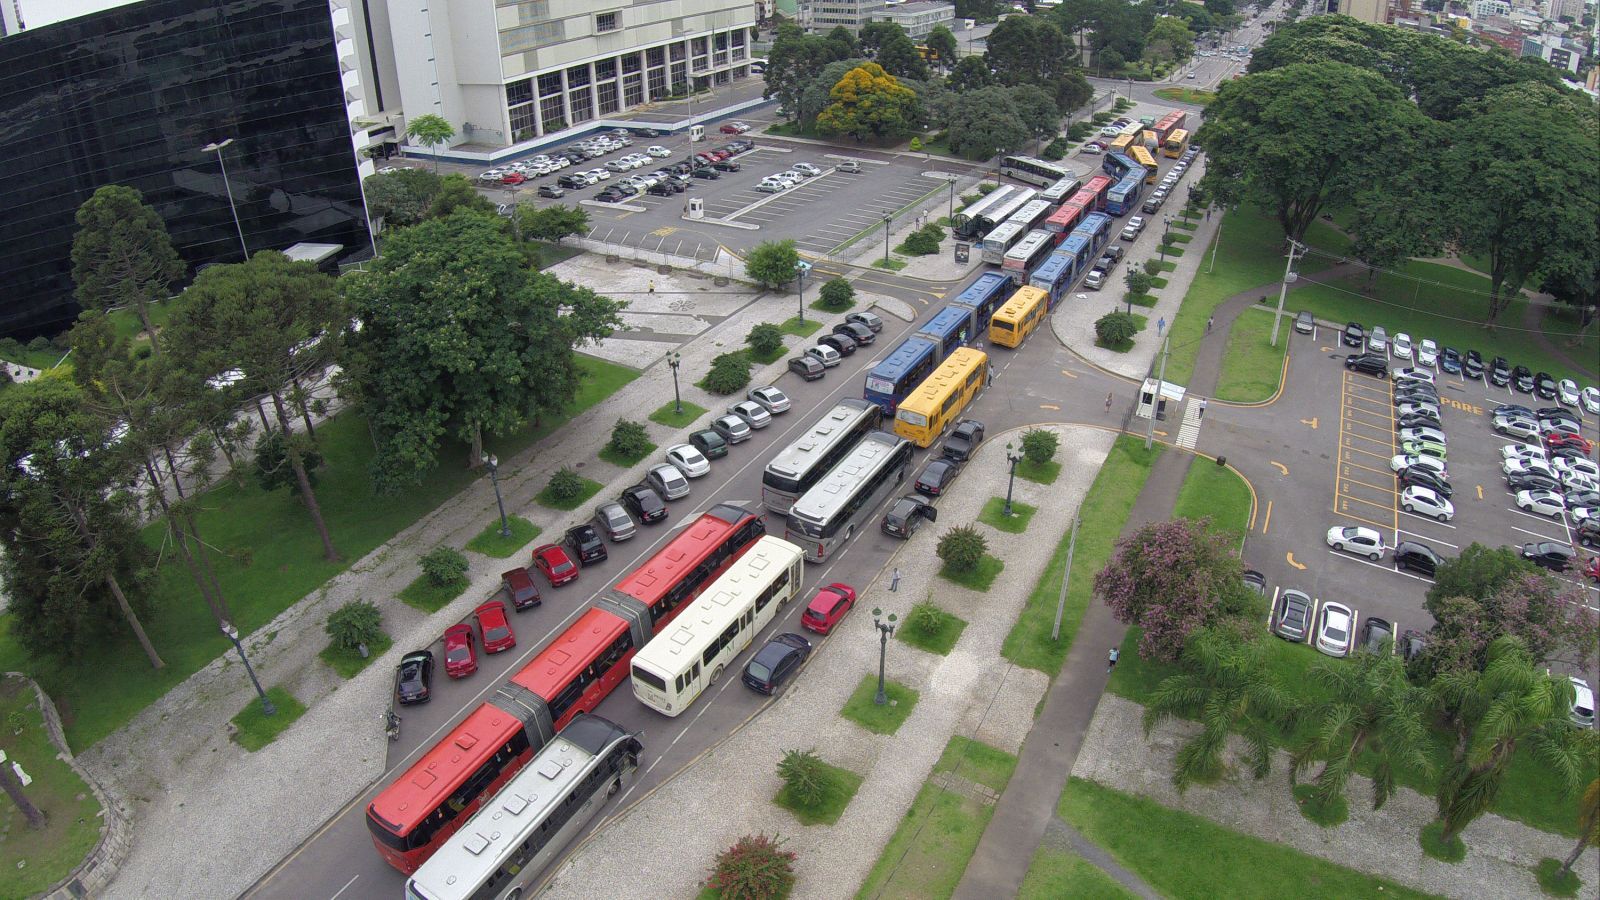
{"x": 869, "y": 102}
{"x": 772, "y": 263}
{"x": 983, "y": 122}
{"x": 401, "y": 197}
{"x": 122, "y": 255}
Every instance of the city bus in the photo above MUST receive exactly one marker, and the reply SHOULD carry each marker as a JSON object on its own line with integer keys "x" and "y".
{"x": 1077, "y": 249}
{"x": 532, "y": 819}
{"x": 1033, "y": 171}
{"x": 1131, "y": 131}
{"x": 1124, "y": 198}
{"x": 950, "y": 328}
{"x": 1168, "y": 123}
{"x": 984, "y": 296}
{"x": 1177, "y": 142}
{"x": 1009, "y": 207}
{"x": 1140, "y": 155}
{"x": 681, "y": 662}
{"x": 903, "y": 369}
{"x": 1031, "y": 215}
{"x": 1029, "y": 254}
{"x": 1019, "y": 317}
{"x": 1053, "y": 277}
{"x": 828, "y": 515}
{"x": 1120, "y": 144}
{"x": 1097, "y": 228}
{"x": 1063, "y": 220}
{"x": 1001, "y": 239}
{"x": 1117, "y": 166}
{"x": 971, "y": 223}
{"x": 1093, "y": 193}
{"x": 1057, "y": 193}
{"x": 803, "y": 463}
{"x": 419, "y": 810}
{"x": 937, "y": 402}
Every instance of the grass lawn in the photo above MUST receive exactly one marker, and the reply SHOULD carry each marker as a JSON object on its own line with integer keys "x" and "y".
{"x": 1251, "y": 367}
{"x": 885, "y": 719}
{"x": 349, "y": 663}
{"x": 490, "y": 543}
{"x": 1182, "y": 855}
{"x": 1104, "y": 509}
{"x": 1039, "y": 473}
{"x": 43, "y": 360}
{"x": 941, "y": 640}
{"x": 839, "y": 786}
{"x": 267, "y": 558}
{"x": 35, "y": 860}
{"x": 1553, "y": 882}
{"x": 994, "y": 515}
{"x": 590, "y": 488}
{"x": 423, "y": 594}
{"x": 1215, "y": 491}
{"x": 666, "y": 416}
{"x": 1058, "y": 874}
{"x": 798, "y": 328}
{"x": 978, "y": 579}
{"x": 624, "y": 460}
{"x": 1144, "y": 300}
{"x": 1185, "y": 95}
{"x": 765, "y": 358}
{"x": 936, "y": 838}
{"x": 256, "y": 729}
{"x": 1158, "y": 282}
{"x": 892, "y": 264}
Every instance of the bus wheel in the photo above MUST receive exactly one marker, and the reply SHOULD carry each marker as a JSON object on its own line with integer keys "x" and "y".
{"x": 615, "y": 786}
{"x": 515, "y": 895}
{"x": 716, "y": 674}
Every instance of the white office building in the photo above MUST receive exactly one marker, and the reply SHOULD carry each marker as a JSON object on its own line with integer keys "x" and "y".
{"x": 919, "y": 18}
{"x": 823, "y": 15}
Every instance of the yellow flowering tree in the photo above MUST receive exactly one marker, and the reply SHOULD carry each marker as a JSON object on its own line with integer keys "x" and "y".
{"x": 869, "y": 102}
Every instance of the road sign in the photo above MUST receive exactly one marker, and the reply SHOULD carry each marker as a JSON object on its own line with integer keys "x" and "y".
{"x": 962, "y": 251}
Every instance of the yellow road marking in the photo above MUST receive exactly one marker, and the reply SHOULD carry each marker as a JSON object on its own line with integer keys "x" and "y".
{"x": 1327, "y": 349}
{"x": 1311, "y": 421}
{"x": 1480, "y": 492}
{"x": 664, "y": 231}
{"x": 1357, "y": 465}
{"x": 1267, "y": 522}
{"x": 1290, "y": 556}
{"x": 1048, "y": 406}
{"x": 1068, "y": 374}
{"x": 1376, "y": 487}
{"x": 1160, "y": 432}
{"x": 1281, "y": 467}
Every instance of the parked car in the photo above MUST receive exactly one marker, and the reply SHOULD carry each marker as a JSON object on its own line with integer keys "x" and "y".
{"x": 733, "y": 429}
{"x": 1543, "y": 501}
{"x": 1335, "y": 622}
{"x": 613, "y": 520}
{"x": 1552, "y": 555}
{"x": 520, "y": 589}
{"x": 460, "y": 657}
{"x": 710, "y": 444}
{"x": 688, "y": 460}
{"x": 906, "y": 515}
{"x": 776, "y": 662}
{"x": 1589, "y": 398}
{"x": 413, "y": 678}
{"x": 1132, "y": 230}
{"x": 870, "y": 320}
{"x": 1354, "y": 335}
{"x": 808, "y": 367}
{"x": 825, "y": 354}
{"x": 1450, "y": 361}
{"x": 1304, "y": 323}
{"x": 494, "y": 628}
{"x": 844, "y": 344}
{"x": 861, "y": 334}
{"x": 707, "y": 173}
{"x": 850, "y": 166}
{"x": 828, "y": 606}
{"x": 937, "y": 476}
{"x": 1412, "y": 643}
{"x": 1522, "y": 379}
{"x": 1368, "y": 364}
{"x": 583, "y": 543}
{"x": 770, "y": 398}
{"x": 1582, "y": 703}
{"x": 754, "y": 414}
{"x": 554, "y": 564}
{"x": 1472, "y": 365}
{"x": 1412, "y": 373}
{"x": 551, "y": 192}
{"x": 806, "y": 169}
{"x": 1377, "y": 635}
{"x": 1545, "y": 386}
{"x": 1378, "y": 341}
{"x": 1419, "y": 558}
{"x": 1400, "y": 346}
{"x": 1516, "y": 426}
{"x": 734, "y": 128}
{"x": 667, "y": 481}
{"x": 1426, "y": 502}
{"x": 1357, "y": 539}
{"x": 1291, "y": 616}
{"x": 643, "y": 503}
{"x": 1499, "y": 372}
{"x": 963, "y": 440}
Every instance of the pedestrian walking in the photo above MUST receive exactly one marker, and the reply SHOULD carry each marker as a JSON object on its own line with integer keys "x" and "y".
{"x": 1111, "y": 660}
{"x": 894, "y": 580}
{"x": 652, "y": 288}
{"x": 1202, "y": 407}
{"x": 1208, "y": 214}
{"x": 1108, "y": 401}
{"x": 991, "y": 377}
{"x": 1210, "y": 321}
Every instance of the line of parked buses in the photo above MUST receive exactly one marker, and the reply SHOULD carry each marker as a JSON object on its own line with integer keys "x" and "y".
{"x": 482, "y": 812}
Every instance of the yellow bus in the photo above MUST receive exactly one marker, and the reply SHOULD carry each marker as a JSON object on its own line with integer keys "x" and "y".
{"x": 1013, "y": 322}
{"x": 1177, "y": 142}
{"x": 938, "y": 401}
{"x": 1120, "y": 143}
{"x": 1142, "y": 157}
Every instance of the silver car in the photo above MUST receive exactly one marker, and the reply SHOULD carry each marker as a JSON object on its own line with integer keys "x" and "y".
{"x": 614, "y": 522}
{"x": 771, "y": 399}
{"x": 688, "y": 460}
{"x": 754, "y": 414}
{"x": 732, "y": 428}
{"x": 667, "y": 481}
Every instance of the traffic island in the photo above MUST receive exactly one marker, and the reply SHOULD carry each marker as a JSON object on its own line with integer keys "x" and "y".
{"x": 253, "y": 728}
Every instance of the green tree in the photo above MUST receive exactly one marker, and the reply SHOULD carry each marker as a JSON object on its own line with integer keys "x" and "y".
{"x": 565, "y": 485}
{"x": 729, "y": 374}
{"x": 1037, "y": 109}
{"x": 401, "y": 197}
{"x": 1151, "y": 267}
{"x": 869, "y": 102}
{"x": 1115, "y": 328}
{"x": 1170, "y": 40}
{"x": 1227, "y": 686}
{"x": 354, "y": 624}
{"x": 873, "y": 35}
{"x": 925, "y": 618}
{"x": 1138, "y": 282}
{"x": 962, "y": 548}
{"x": 803, "y": 776}
{"x": 274, "y": 322}
{"x": 969, "y": 74}
{"x": 430, "y": 130}
{"x": 985, "y": 122}
{"x": 837, "y": 294}
{"x": 1588, "y": 825}
{"x": 1369, "y": 712}
{"x": 1039, "y": 445}
{"x": 553, "y": 223}
{"x": 460, "y": 339}
{"x": 942, "y": 44}
{"x": 1512, "y": 702}
{"x": 756, "y": 867}
{"x": 1397, "y": 219}
{"x": 818, "y": 93}
{"x": 899, "y": 57}
{"x": 444, "y": 566}
{"x": 796, "y": 58}
{"x": 629, "y": 439}
{"x": 765, "y": 339}
{"x": 1109, "y": 61}
{"x": 122, "y": 255}
{"x": 456, "y": 192}
{"x": 1028, "y": 50}
{"x": 273, "y": 468}
{"x": 772, "y": 264}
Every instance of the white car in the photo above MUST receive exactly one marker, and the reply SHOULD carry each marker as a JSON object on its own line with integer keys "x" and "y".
{"x": 754, "y": 414}
{"x": 1427, "y": 353}
{"x": 1580, "y": 482}
{"x": 1545, "y": 503}
{"x": 806, "y": 168}
{"x": 1335, "y": 629}
{"x": 1426, "y": 502}
{"x": 667, "y": 481}
{"x": 1567, "y": 392}
{"x": 1422, "y": 433}
{"x": 1400, "y": 347}
{"x": 1583, "y": 467}
{"x": 771, "y": 399}
{"x": 658, "y": 151}
{"x": 1405, "y": 461}
{"x": 688, "y": 460}
{"x": 1591, "y": 399}
{"x": 1378, "y": 341}
{"x": 1582, "y": 513}
{"x": 1408, "y": 409}
{"x": 1411, "y": 373}
{"x": 1523, "y": 451}
{"x": 769, "y": 187}
{"x": 1357, "y": 539}
{"x": 1526, "y": 467}
{"x": 1565, "y": 426}
{"x": 1109, "y": 131}
{"x": 1516, "y": 426}
{"x": 824, "y": 354}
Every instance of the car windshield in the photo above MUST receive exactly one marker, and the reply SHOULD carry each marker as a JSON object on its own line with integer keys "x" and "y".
{"x": 459, "y": 654}
{"x": 759, "y": 671}
{"x": 496, "y": 633}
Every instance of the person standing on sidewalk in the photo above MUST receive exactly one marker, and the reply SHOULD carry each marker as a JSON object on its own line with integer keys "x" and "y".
{"x": 1202, "y": 408}
{"x": 1111, "y": 659}
{"x": 894, "y": 580}
{"x": 1210, "y": 320}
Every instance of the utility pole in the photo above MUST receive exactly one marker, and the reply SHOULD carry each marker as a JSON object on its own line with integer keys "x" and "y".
{"x": 1283, "y": 290}
{"x": 1066, "y": 577}
{"x": 1155, "y": 399}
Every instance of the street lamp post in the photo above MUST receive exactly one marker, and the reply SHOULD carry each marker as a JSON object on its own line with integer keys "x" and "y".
{"x": 885, "y": 628}
{"x": 800, "y": 292}
{"x": 887, "y": 224}
{"x": 493, "y": 465}
{"x": 952, "y": 184}
{"x": 1166, "y": 226}
{"x": 675, "y": 359}
{"x": 217, "y": 147}
{"x": 1283, "y": 291}
{"x": 1013, "y": 456}
{"x": 233, "y": 635}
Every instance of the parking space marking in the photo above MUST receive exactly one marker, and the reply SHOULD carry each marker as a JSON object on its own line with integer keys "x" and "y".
{"x": 1429, "y": 519}
{"x": 1350, "y": 448}
{"x": 1385, "y": 442}
{"x": 1540, "y": 537}
{"x": 1376, "y": 487}
{"x": 1356, "y": 465}
{"x": 1431, "y": 540}
{"x": 1377, "y": 565}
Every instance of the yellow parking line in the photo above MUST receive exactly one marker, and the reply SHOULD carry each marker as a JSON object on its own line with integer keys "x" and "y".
{"x": 1267, "y": 523}
{"x": 1356, "y": 465}
{"x": 1385, "y": 441}
{"x": 1385, "y": 456}
{"x": 1394, "y": 506}
{"x": 1376, "y": 487}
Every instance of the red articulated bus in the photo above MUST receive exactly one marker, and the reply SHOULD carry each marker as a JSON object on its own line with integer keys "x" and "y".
{"x": 1062, "y": 221}
{"x": 1093, "y": 193}
{"x": 415, "y": 814}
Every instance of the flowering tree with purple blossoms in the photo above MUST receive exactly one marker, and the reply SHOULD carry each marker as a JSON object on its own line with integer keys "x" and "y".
{"x": 1171, "y": 579}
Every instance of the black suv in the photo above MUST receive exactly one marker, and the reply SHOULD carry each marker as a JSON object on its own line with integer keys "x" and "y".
{"x": 1423, "y": 477}
{"x": 1368, "y": 364}
{"x": 644, "y": 503}
{"x": 1499, "y": 372}
{"x": 1416, "y": 557}
{"x": 843, "y": 343}
{"x": 1545, "y": 386}
{"x": 905, "y": 516}
{"x": 709, "y": 443}
{"x": 1472, "y": 365}
{"x": 1355, "y": 335}
{"x": 964, "y": 439}
{"x": 583, "y": 544}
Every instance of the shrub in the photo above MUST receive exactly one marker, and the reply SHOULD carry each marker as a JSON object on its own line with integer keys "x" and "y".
{"x": 962, "y": 548}
{"x": 1115, "y": 328}
{"x": 1152, "y": 267}
{"x": 40, "y": 344}
{"x": 443, "y": 565}
{"x": 729, "y": 373}
{"x": 916, "y": 145}
{"x": 565, "y": 485}
{"x": 1101, "y": 118}
{"x": 1138, "y": 282}
{"x": 920, "y": 244}
{"x": 985, "y": 187}
{"x": 11, "y": 348}
{"x": 837, "y": 294}
{"x": 755, "y": 868}
{"x": 925, "y": 619}
{"x": 1079, "y": 131}
{"x": 357, "y": 622}
{"x": 629, "y": 439}
{"x": 804, "y": 776}
{"x": 1039, "y": 446}
{"x": 766, "y": 339}
{"x": 1056, "y": 149}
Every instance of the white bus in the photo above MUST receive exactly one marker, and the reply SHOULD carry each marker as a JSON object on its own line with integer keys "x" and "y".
{"x": 498, "y": 853}
{"x": 804, "y": 462}
{"x": 829, "y": 514}
{"x": 1033, "y": 214}
{"x": 1000, "y": 212}
{"x": 974, "y": 220}
{"x": 1058, "y": 193}
{"x": 1000, "y": 241}
{"x": 691, "y": 654}
{"x": 1033, "y": 171}
{"x": 1028, "y": 254}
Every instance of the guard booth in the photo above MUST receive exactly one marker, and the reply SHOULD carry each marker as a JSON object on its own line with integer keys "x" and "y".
{"x": 697, "y": 133}
{"x": 695, "y": 208}
{"x": 1154, "y": 402}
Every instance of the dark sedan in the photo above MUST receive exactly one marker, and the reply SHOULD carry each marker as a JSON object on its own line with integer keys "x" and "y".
{"x": 843, "y": 343}
{"x": 1522, "y": 379}
{"x": 776, "y": 662}
{"x": 583, "y": 544}
{"x": 1532, "y": 481}
{"x": 1472, "y": 365}
{"x": 643, "y": 503}
{"x": 1355, "y": 335}
{"x": 1368, "y": 364}
{"x": 413, "y": 678}
{"x": 1450, "y": 360}
{"x": 859, "y": 333}
{"x": 1544, "y": 386}
{"x": 1415, "y": 557}
{"x": 518, "y": 585}
{"x": 1423, "y": 477}
{"x": 1418, "y": 419}
{"x": 1552, "y": 555}
{"x": 964, "y": 439}
{"x": 937, "y": 477}
{"x": 1499, "y": 372}
{"x": 1376, "y": 635}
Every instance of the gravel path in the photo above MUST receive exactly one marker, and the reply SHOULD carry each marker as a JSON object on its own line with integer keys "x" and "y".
{"x": 1499, "y": 855}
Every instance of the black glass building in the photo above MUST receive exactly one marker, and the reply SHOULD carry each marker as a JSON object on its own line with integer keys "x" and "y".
{"x": 130, "y": 96}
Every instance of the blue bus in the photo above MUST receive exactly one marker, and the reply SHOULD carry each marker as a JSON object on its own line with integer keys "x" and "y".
{"x": 1076, "y": 248}
{"x": 1118, "y": 165}
{"x": 1054, "y": 276}
{"x": 1097, "y": 227}
{"x": 906, "y": 366}
{"x": 987, "y": 294}
{"x": 951, "y": 328}
{"x": 1124, "y": 198}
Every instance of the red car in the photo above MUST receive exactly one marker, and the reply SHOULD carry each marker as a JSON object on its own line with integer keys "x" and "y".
{"x": 494, "y": 627}
{"x": 513, "y": 178}
{"x": 735, "y": 128}
{"x": 556, "y": 565}
{"x": 519, "y": 586}
{"x": 1592, "y": 568}
{"x": 828, "y": 607}
{"x": 1557, "y": 439}
{"x": 460, "y": 659}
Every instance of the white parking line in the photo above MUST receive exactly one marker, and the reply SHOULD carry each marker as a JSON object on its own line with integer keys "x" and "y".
{"x": 1537, "y": 536}
{"x": 1377, "y": 565}
{"x": 1430, "y": 540}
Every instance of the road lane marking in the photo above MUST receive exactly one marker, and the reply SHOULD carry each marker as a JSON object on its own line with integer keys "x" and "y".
{"x": 1267, "y": 523}
{"x": 1290, "y": 557}
{"x": 1281, "y": 467}
{"x": 1049, "y": 406}
{"x": 1311, "y": 421}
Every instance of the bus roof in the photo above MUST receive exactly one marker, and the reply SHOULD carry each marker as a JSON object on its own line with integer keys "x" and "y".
{"x": 981, "y": 205}
{"x": 1005, "y": 232}
{"x": 1029, "y": 245}
{"x": 1093, "y": 224}
{"x": 554, "y": 667}
{"x": 1003, "y": 211}
{"x": 831, "y": 493}
{"x": 1031, "y": 212}
{"x": 932, "y": 391}
{"x": 836, "y": 423}
{"x": 986, "y": 285}
{"x": 1075, "y": 244}
{"x": 1059, "y": 191}
{"x": 1051, "y": 269}
{"x": 436, "y": 775}
{"x": 658, "y": 574}
{"x": 1025, "y": 298}
{"x": 948, "y": 321}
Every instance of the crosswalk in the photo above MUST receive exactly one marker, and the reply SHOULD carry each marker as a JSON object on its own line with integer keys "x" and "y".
{"x": 1189, "y": 431}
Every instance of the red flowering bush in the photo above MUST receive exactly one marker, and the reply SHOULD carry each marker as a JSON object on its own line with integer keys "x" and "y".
{"x": 1171, "y": 579}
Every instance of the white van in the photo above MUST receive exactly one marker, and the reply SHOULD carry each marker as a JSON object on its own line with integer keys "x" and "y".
{"x": 1582, "y": 704}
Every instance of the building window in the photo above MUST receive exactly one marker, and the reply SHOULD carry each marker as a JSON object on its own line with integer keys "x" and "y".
{"x": 549, "y": 83}
{"x": 577, "y": 76}
{"x": 522, "y": 118}
{"x": 679, "y": 51}
{"x": 581, "y": 102}
{"x": 519, "y": 92}
{"x": 680, "y": 78}
{"x": 604, "y": 22}
{"x": 657, "y": 55}
{"x": 608, "y": 98}
{"x": 605, "y": 68}
{"x": 632, "y": 89}
{"x": 630, "y": 64}
{"x": 658, "y": 82}
{"x": 530, "y": 36}
{"x": 550, "y": 114}
{"x": 533, "y": 11}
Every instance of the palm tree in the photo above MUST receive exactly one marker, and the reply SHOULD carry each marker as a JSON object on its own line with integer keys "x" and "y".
{"x": 1371, "y": 708}
{"x": 431, "y": 130}
{"x": 1228, "y": 688}
{"x": 1510, "y": 702}
{"x": 1588, "y": 825}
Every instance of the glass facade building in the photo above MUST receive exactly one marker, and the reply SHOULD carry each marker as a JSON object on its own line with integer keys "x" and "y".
{"x": 130, "y": 96}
